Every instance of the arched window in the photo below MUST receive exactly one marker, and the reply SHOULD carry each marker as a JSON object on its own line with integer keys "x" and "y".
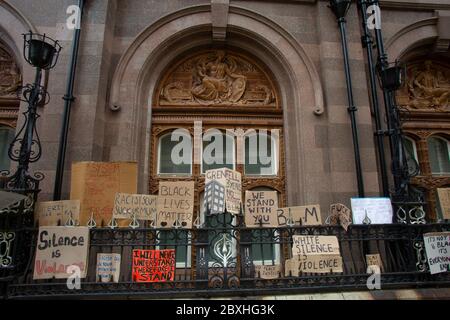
{"x": 175, "y": 153}
{"x": 411, "y": 155}
{"x": 218, "y": 150}
{"x": 6, "y": 137}
{"x": 261, "y": 157}
{"x": 438, "y": 152}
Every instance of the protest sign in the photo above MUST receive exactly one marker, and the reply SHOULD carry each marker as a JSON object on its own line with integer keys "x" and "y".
{"x": 153, "y": 265}
{"x": 108, "y": 267}
{"x": 320, "y": 263}
{"x": 374, "y": 210}
{"x": 340, "y": 213}
{"x": 223, "y": 190}
{"x": 444, "y": 202}
{"x": 267, "y": 272}
{"x": 437, "y": 248}
{"x": 59, "y": 248}
{"x": 49, "y": 213}
{"x": 301, "y": 215}
{"x": 374, "y": 260}
{"x": 261, "y": 208}
{"x": 95, "y": 184}
{"x": 314, "y": 245}
{"x": 143, "y": 206}
{"x": 175, "y": 202}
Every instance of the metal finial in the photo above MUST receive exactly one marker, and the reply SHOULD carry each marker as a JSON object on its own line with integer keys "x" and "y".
{"x": 91, "y": 223}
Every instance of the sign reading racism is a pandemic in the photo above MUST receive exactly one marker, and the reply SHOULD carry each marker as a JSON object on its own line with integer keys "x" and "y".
{"x": 53, "y": 213}
{"x": 153, "y": 265}
{"x": 60, "y": 251}
{"x": 223, "y": 191}
{"x": 142, "y": 206}
{"x": 175, "y": 203}
{"x": 301, "y": 215}
{"x": 437, "y": 248}
{"x": 261, "y": 208}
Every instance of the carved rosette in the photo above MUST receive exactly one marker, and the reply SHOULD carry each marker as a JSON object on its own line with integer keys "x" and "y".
{"x": 427, "y": 87}
{"x": 216, "y": 78}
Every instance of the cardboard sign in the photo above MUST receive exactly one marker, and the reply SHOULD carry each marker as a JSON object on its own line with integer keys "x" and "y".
{"x": 267, "y": 272}
{"x": 378, "y": 210}
{"x": 143, "y": 206}
{"x": 95, "y": 184}
{"x": 49, "y": 213}
{"x": 437, "y": 247}
{"x": 374, "y": 260}
{"x": 314, "y": 245}
{"x": 444, "y": 202}
{"x": 261, "y": 208}
{"x": 175, "y": 201}
{"x": 313, "y": 264}
{"x": 153, "y": 265}
{"x": 340, "y": 213}
{"x": 224, "y": 183}
{"x": 302, "y": 215}
{"x": 60, "y": 248}
{"x": 108, "y": 267}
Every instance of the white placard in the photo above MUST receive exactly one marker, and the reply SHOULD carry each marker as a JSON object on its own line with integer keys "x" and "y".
{"x": 437, "y": 247}
{"x": 379, "y": 210}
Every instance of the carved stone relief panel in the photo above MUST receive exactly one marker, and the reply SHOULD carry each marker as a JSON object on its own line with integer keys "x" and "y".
{"x": 218, "y": 78}
{"x": 427, "y": 87}
{"x": 10, "y": 77}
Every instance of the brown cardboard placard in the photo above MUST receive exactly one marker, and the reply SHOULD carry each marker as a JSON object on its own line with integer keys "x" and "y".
{"x": 304, "y": 215}
{"x": 341, "y": 213}
{"x": 306, "y": 245}
{"x": 374, "y": 260}
{"x": 108, "y": 267}
{"x": 267, "y": 271}
{"x": 444, "y": 202}
{"x": 49, "y": 213}
{"x": 327, "y": 263}
{"x": 175, "y": 201}
{"x": 143, "y": 206}
{"x": 95, "y": 184}
{"x": 59, "y": 248}
{"x": 231, "y": 183}
{"x": 261, "y": 208}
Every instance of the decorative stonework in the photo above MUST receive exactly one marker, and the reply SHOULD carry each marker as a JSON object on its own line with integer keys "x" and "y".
{"x": 427, "y": 88}
{"x": 217, "y": 78}
{"x": 10, "y": 77}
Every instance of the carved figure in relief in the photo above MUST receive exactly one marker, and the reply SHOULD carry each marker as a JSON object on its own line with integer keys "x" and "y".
{"x": 217, "y": 81}
{"x": 10, "y": 78}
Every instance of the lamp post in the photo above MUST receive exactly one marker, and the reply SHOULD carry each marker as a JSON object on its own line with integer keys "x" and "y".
{"x": 42, "y": 53}
{"x": 340, "y": 9}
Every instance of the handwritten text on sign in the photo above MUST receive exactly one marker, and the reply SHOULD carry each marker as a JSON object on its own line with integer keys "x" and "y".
{"x": 313, "y": 264}
{"x": 304, "y": 215}
{"x": 378, "y": 210}
{"x": 50, "y": 213}
{"x": 143, "y": 206}
{"x": 261, "y": 208}
{"x": 108, "y": 267}
{"x": 437, "y": 247}
{"x": 58, "y": 248}
{"x": 153, "y": 265}
{"x": 314, "y": 245}
{"x": 175, "y": 202}
{"x": 231, "y": 182}
{"x": 268, "y": 271}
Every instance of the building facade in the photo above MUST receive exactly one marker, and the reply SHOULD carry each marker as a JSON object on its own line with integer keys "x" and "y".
{"x": 146, "y": 68}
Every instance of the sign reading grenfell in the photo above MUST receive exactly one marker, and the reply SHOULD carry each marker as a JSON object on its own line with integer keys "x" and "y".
{"x": 223, "y": 191}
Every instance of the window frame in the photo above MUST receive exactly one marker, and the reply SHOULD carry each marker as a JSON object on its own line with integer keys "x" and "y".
{"x": 158, "y": 159}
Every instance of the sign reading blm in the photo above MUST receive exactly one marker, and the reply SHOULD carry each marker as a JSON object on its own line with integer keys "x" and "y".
{"x": 153, "y": 265}
{"x": 59, "y": 248}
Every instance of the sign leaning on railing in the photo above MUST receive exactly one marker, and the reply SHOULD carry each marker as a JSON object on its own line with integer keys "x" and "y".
{"x": 300, "y": 215}
{"x": 142, "y": 206}
{"x": 175, "y": 204}
{"x": 49, "y": 213}
{"x": 372, "y": 210}
{"x": 437, "y": 248}
{"x": 153, "y": 265}
{"x": 261, "y": 208}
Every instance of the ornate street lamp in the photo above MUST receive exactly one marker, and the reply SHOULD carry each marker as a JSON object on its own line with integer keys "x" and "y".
{"x": 42, "y": 53}
{"x": 340, "y": 9}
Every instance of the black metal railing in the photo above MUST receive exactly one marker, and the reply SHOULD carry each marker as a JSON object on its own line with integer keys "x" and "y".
{"x": 218, "y": 257}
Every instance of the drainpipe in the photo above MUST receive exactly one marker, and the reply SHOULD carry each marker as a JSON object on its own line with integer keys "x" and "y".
{"x": 68, "y": 99}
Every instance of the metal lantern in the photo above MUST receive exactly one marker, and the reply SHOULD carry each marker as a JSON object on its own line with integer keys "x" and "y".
{"x": 392, "y": 77}
{"x": 340, "y": 7}
{"x": 40, "y": 51}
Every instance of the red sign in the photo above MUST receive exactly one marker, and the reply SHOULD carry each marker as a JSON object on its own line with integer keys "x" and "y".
{"x": 153, "y": 265}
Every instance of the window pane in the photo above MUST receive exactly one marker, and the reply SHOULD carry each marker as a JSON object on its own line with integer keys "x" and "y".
{"x": 6, "y": 137}
{"x": 218, "y": 151}
{"x": 409, "y": 148}
{"x": 260, "y": 155}
{"x": 175, "y": 157}
{"x": 439, "y": 157}
{"x": 178, "y": 240}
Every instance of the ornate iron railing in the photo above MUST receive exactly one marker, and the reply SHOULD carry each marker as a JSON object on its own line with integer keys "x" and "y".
{"x": 218, "y": 257}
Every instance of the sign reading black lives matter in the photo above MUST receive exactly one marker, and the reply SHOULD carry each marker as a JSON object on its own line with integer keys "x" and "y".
{"x": 437, "y": 247}
{"x": 223, "y": 191}
{"x": 61, "y": 248}
{"x": 315, "y": 254}
{"x": 175, "y": 203}
{"x": 261, "y": 208}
